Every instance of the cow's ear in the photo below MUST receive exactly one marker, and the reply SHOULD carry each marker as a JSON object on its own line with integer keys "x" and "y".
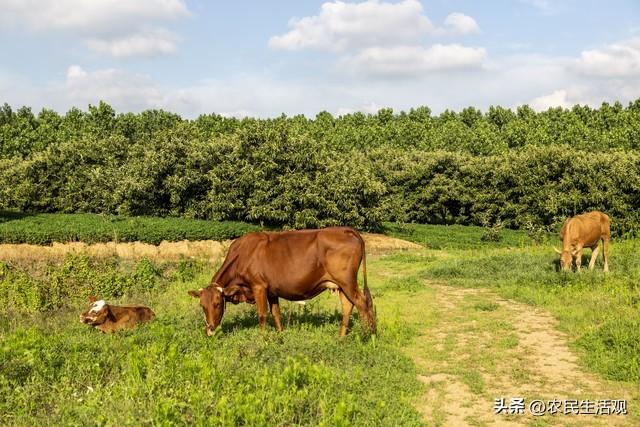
{"x": 232, "y": 290}
{"x": 92, "y": 299}
{"x": 196, "y": 293}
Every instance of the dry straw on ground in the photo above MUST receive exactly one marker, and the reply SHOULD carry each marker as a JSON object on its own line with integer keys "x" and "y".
{"x": 209, "y": 250}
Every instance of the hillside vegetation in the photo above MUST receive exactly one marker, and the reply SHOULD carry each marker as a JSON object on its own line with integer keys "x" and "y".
{"x": 519, "y": 169}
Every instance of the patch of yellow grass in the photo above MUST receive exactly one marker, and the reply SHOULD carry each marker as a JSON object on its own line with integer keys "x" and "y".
{"x": 379, "y": 243}
{"x": 209, "y": 250}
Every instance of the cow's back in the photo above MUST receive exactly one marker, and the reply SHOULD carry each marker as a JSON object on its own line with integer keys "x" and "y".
{"x": 586, "y": 229}
{"x": 129, "y": 315}
{"x": 315, "y": 243}
{"x": 289, "y": 261}
{"x": 143, "y": 313}
{"x": 601, "y": 219}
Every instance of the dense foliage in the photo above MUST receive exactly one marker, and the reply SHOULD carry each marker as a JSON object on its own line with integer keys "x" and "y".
{"x": 519, "y": 168}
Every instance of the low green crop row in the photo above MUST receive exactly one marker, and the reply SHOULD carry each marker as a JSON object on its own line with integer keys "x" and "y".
{"x": 91, "y": 228}
{"x": 466, "y": 236}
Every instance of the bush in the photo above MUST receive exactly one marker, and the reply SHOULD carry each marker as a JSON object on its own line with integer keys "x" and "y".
{"x": 537, "y": 186}
{"x": 359, "y": 170}
{"x": 70, "y": 283}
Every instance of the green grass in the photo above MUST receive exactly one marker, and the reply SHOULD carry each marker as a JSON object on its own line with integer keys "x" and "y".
{"x": 56, "y": 371}
{"x": 476, "y": 338}
{"x": 601, "y": 312}
{"x": 52, "y": 284}
{"x": 91, "y": 228}
{"x": 43, "y": 228}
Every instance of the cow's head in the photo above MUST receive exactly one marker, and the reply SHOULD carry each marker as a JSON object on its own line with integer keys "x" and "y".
{"x": 97, "y": 312}
{"x": 566, "y": 258}
{"x": 212, "y": 303}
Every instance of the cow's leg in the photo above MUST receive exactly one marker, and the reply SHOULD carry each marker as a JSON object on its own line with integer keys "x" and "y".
{"x": 275, "y": 312}
{"x": 260, "y": 295}
{"x": 594, "y": 255}
{"x": 605, "y": 253}
{"x": 347, "y": 308}
{"x": 578, "y": 254}
{"x": 349, "y": 288}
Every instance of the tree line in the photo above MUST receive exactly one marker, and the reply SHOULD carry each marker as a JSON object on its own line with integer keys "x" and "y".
{"x": 518, "y": 168}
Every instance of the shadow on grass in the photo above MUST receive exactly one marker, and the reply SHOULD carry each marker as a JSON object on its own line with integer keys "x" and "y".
{"x": 6, "y": 216}
{"x": 585, "y": 259}
{"x": 294, "y": 317}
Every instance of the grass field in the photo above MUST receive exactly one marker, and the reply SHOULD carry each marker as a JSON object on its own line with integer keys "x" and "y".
{"x": 459, "y": 326}
{"x": 464, "y": 237}
{"x": 56, "y": 371}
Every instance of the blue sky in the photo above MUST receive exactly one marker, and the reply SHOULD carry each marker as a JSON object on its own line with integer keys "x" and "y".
{"x": 265, "y": 58}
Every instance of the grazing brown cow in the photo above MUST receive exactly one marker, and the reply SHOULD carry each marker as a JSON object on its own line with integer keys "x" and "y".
{"x": 295, "y": 265}
{"x": 110, "y": 318}
{"x": 584, "y": 231}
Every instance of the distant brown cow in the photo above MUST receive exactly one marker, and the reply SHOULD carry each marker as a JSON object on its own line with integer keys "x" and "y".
{"x": 584, "y": 231}
{"x": 295, "y": 265}
{"x": 110, "y": 318}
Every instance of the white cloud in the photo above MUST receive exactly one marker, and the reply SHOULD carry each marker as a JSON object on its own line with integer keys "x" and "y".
{"x": 149, "y": 43}
{"x": 121, "y": 89}
{"x": 341, "y": 26}
{"x": 546, "y": 7}
{"x": 110, "y": 27}
{"x": 95, "y": 16}
{"x": 383, "y": 39}
{"x": 403, "y": 61}
{"x": 618, "y": 60}
{"x": 459, "y": 24}
{"x": 540, "y": 80}
{"x": 246, "y": 95}
{"x": 370, "y": 108}
{"x": 556, "y": 99}
{"x": 238, "y": 114}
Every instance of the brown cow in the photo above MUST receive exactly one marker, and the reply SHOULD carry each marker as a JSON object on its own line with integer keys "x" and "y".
{"x": 584, "y": 231}
{"x": 295, "y": 265}
{"x": 110, "y": 318}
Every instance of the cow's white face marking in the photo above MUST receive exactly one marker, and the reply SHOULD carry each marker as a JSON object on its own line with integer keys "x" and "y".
{"x": 97, "y": 306}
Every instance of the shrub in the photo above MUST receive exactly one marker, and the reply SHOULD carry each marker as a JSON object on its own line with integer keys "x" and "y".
{"x": 54, "y": 286}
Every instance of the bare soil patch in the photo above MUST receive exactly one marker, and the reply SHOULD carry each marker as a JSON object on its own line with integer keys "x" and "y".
{"x": 466, "y": 365}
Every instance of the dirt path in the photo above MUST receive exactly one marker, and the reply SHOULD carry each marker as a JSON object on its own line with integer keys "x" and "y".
{"x": 477, "y": 347}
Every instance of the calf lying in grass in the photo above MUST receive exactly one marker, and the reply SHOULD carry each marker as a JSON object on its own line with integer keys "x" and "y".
{"x": 110, "y": 318}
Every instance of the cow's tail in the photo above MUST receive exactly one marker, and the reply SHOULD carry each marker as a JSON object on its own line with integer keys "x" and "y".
{"x": 367, "y": 294}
